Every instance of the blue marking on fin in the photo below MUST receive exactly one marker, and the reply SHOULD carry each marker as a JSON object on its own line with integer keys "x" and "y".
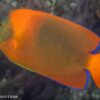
{"x": 97, "y": 50}
{"x": 77, "y": 89}
{"x": 86, "y": 84}
{"x": 87, "y": 79}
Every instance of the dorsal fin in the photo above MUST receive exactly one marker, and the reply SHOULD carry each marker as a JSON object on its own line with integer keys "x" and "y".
{"x": 96, "y": 50}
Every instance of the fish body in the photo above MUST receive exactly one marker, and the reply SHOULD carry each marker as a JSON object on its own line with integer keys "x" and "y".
{"x": 51, "y": 46}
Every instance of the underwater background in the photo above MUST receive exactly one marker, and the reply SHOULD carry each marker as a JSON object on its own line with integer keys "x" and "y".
{"x": 21, "y": 84}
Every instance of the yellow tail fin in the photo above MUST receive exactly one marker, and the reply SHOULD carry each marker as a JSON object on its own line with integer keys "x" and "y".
{"x": 94, "y": 68}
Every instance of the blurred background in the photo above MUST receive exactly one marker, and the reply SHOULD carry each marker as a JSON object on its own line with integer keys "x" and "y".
{"x": 27, "y": 85}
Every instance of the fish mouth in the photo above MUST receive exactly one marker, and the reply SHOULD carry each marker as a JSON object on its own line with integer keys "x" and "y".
{"x": 0, "y": 36}
{"x": 4, "y": 36}
{"x": 5, "y": 30}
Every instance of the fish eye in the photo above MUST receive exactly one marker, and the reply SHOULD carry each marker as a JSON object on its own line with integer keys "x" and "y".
{"x": 0, "y": 24}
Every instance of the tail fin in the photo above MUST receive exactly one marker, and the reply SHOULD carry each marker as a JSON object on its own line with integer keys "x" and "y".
{"x": 94, "y": 68}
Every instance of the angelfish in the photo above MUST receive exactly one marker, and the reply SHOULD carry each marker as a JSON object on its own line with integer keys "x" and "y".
{"x": 51, "y": 46}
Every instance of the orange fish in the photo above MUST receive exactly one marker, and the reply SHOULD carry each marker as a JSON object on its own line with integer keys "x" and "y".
{"x": 51, "y": 46}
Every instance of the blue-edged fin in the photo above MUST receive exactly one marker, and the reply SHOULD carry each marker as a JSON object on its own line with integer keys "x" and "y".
{"x": 87, "y": 79}
{"x": 97, "y": 50}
